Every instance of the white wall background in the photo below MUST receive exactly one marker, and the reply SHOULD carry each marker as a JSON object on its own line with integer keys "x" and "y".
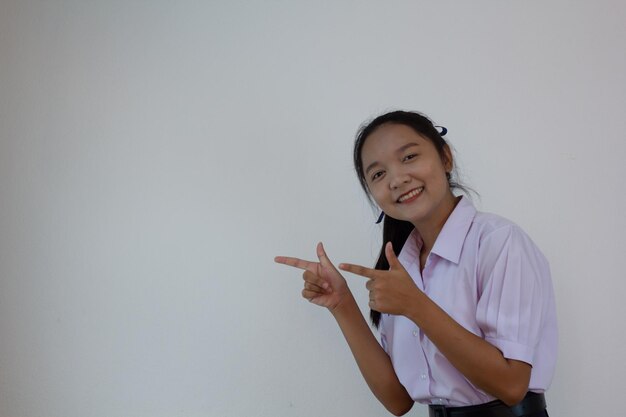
{"x": 155, "y": 156}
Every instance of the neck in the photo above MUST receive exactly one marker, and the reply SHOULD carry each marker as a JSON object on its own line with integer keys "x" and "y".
{"x": 429, "y": 229}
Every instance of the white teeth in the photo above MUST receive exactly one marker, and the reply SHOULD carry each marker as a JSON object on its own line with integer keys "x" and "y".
{"x": 411, "y": 194}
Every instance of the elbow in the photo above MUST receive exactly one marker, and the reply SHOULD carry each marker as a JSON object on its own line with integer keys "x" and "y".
{"x": 516, "y": 386}
{"x": 400, "y": 410}
{"x": 514, "y": 395}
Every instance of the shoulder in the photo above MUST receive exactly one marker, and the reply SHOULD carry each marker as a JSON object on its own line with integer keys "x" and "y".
{"x": 490, "y": 226}
{"x": 497, "y": 236}
{"x": 482, "y": 224}
{"x": 489, "y": 222}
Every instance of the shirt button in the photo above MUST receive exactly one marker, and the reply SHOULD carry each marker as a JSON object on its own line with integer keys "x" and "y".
{"x": 423, "y": 376}
{"x": 415, "y": 333}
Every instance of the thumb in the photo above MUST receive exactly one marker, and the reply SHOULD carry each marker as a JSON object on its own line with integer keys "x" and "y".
{"x": 321, "y": 255}
{"x": 394, "y": 263}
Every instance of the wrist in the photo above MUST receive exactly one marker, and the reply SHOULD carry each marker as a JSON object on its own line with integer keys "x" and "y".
{"x": 345, "y": 306}
{"x": 414, "y": 308}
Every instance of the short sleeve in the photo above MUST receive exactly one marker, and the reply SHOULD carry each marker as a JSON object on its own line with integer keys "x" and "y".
{"x": 514, "y": 287}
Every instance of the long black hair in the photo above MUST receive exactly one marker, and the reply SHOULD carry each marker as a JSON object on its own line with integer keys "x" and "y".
{"x": 397, "y": 231}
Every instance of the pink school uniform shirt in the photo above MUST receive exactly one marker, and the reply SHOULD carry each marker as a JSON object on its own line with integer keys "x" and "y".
{"x": 487, "y": 274}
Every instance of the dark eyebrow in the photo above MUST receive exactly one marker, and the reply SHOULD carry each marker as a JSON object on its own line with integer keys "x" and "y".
{"x": 400, "y": 150}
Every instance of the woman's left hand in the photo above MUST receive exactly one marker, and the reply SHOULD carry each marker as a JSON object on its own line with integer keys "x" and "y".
{"x": 392, "y": 291}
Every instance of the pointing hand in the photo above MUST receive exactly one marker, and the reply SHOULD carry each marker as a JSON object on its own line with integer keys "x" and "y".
{"x": 323, "y": 284}
{"x": 391, "y": 291}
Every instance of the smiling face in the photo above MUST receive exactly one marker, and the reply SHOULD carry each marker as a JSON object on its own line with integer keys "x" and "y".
{"x": 406, "y": 175}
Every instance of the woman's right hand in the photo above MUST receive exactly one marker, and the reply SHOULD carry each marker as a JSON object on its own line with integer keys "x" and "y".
{"x": 323, "y": 284}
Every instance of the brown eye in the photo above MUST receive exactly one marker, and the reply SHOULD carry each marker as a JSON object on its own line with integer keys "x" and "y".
{"x": 377, "y": 175}
{"x": 409, "y": 157}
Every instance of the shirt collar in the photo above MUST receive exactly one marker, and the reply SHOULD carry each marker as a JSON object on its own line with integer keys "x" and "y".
{"x": 452, "y": 236}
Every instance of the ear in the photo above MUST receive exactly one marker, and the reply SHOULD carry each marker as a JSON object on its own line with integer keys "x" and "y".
{"x": 448, "y": 161}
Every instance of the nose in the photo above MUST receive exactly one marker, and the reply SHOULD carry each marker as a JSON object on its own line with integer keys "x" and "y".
{"x": 398, "y": 179}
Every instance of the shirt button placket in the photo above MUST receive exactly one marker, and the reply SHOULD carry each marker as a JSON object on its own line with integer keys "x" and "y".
{"x": 423, "y": 377}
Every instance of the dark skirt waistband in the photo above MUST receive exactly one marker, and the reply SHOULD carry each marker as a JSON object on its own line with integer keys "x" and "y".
{"x": 532, "y": 403}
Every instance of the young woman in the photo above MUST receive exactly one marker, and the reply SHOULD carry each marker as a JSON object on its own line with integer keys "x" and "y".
{"x": 463, "y": 299}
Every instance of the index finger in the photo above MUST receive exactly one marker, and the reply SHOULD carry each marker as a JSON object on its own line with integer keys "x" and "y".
{"x": 297, "y": 263}
{"x": 359, "y": 270}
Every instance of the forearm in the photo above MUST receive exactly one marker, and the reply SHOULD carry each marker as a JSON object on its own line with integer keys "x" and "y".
{"x": 478, "y": 360}
{"x": 373, "y": 362}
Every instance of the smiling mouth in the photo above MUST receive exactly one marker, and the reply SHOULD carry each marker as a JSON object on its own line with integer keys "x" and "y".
{"x": 410, "y": 196}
